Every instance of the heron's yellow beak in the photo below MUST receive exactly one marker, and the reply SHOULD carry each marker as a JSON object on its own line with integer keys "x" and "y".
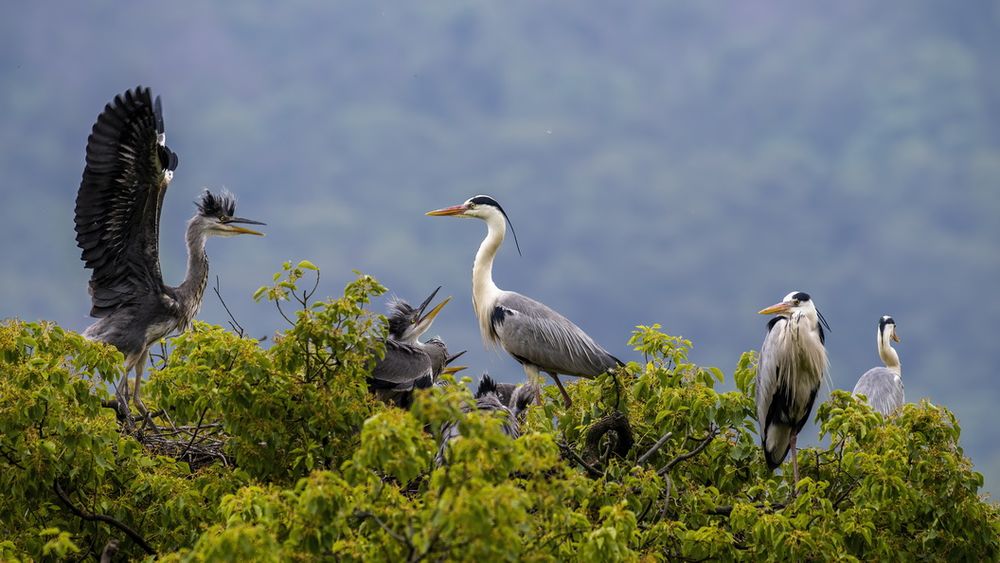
{"x": 895, "y": 338}
{"x": 434, "y": 312}
{"x": 453, "y": 210}
{"x": 242, "y": 231}
{"x": 452, "y": 370}
{"x": 776, "y": 309}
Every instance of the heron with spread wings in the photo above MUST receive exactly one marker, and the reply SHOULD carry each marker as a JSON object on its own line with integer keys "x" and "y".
{"x": 129, "y": 167}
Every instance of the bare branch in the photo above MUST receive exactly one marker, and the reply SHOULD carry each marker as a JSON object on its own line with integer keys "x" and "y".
{"x": 568, "y": 451}
{"x": 89, "y": 516}
{"x": 236, "y": 326}
{"x": 712, "y": 433}
{"x": 656, "y": 447}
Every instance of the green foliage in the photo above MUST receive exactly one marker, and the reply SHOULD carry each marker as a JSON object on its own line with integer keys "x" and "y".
{"x": 290, "y": 408}
{"x": 651, "y": 462}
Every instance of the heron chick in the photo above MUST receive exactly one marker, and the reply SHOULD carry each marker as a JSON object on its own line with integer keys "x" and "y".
{"x": 883, "y": 386}
{"x": 792, "y": 366}
{"x": 408, "y": 363}
{"x": 129, "y": 167}
{"x": 539, "y": 338}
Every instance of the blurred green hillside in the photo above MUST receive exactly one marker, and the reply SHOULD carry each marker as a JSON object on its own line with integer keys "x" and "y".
{"x": 661, "y": 162}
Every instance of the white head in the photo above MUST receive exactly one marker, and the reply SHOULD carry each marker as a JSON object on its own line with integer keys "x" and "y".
{"x": 887, "y": 332}
{"x": 795, "y": 304}
{"x": 481, "y": 207}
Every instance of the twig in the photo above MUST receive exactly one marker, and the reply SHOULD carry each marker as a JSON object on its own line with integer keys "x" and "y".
{"x": 364, "y": 514}
{"x": 102, "y": 518}
{"x": 656, "y": 447}
{"x": 712, "y": 433}
{"x": 590, "y": 468}
{"x": 237, "y": 327}
{"x": 195, "y": 433}
{"x": 726, "y": 510}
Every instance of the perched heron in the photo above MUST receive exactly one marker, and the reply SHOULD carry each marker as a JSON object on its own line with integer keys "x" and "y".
{"x": 117, "y": 226}
{"x": 883, "y": 386}
{"x": 539, "y": 338}
{"x": 488, "y": 399}
{"x": 408, "y": 363}
{"x": 792, "y": 366}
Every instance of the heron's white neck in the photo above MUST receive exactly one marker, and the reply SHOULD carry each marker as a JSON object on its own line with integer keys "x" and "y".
{"x": 484, "y": 291}
{"x": 887, "y": 352}
{"x": 192, "y": 289}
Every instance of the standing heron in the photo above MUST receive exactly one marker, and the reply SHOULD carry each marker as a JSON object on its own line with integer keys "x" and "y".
{"x": 539, "y": 338}
{"x": 792, "y": 366}
{"x": 117, "y": 226}
{"x": 883, "y": 386}
{"x": 408, "y": 363}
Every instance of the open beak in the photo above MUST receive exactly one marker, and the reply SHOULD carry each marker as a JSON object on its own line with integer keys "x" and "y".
{"x": 229, "y": 226}
{"x": 423, "y": 323}
{"x": 776, "y": 309}
{"x": 453, "y": 357}
{"x": 453, "y": 210}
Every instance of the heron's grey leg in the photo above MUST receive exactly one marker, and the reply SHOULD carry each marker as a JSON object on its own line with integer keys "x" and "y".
{"x": 562, "y": 389}
{"x": 536, "y": 378}
{"x": 795, "y": 464}
{"x": 140, "y": 366}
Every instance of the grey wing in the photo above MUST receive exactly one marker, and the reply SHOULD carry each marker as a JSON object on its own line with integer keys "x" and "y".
{"x": 403, "y": 368}
{"x": 535, "y": 334}
{"x": 767, "y": 374}
{"x": 118, "y": 204}
{"x": 883, "y": 389}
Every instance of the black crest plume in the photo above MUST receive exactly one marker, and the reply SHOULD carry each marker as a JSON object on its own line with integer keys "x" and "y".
{"x": 487, "y": 200}
{"x": 222, "y": 205}
{"x": 486, "y": 386}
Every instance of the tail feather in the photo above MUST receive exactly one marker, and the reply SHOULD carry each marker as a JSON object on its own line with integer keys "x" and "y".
{"x": 776, "y": 440}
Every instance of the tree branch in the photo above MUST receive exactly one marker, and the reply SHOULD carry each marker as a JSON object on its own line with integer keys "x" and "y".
{"x": 726, "y": 510}
{"x": 237, "y": 327}
{"x": 568, "y": 451}
{"x": 712, "y": 433}
{"x": 102, "y": 518}
{"x": 656, "y": 447}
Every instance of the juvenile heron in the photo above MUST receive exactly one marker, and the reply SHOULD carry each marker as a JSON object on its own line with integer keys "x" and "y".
{"x": 117, "y": 226}
{"x": 488, "y": 399}
{"x": 792, "y": 366}
{"x": 883, "y": 386}
{"x": 539, "y": 338}
{"x": 408, "y": 363}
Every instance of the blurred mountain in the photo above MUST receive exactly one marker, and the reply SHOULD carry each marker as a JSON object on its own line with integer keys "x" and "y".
{"x": 669, "y": 162}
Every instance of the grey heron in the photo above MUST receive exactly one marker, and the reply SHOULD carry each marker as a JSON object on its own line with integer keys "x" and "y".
{"x": 488, "y": 399}
{"x": 792, "y": 366}
{"x": 883, "y": 386}
{"x": 408, "y": 363}
{"x": 117, "y": 227}
{"x": 539, "y": 338}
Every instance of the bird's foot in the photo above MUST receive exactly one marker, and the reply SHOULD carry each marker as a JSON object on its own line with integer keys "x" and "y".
{"x": 147, "y": 418}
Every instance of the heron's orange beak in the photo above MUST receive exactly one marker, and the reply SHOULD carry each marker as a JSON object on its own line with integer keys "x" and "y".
{"x": 453, "y": 210}
{"x": 453, "y": 369}
{"x": 776, "y": 309}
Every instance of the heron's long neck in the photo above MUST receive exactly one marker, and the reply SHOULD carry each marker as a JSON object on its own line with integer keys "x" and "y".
{"x": 484, "y": 291}
{"x": 888, "y": 353}
{"x": 192, "y": 289}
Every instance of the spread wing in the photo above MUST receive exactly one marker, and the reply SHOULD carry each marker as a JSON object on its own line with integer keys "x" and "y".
{"x": 535, "y": 334}
{"x": 118, "y": 204}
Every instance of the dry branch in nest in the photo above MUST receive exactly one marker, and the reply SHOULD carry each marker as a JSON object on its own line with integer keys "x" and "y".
{"x": 197, "y": 445}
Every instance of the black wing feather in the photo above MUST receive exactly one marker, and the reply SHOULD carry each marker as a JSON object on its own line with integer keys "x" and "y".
{"x": 118, "y": 204}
